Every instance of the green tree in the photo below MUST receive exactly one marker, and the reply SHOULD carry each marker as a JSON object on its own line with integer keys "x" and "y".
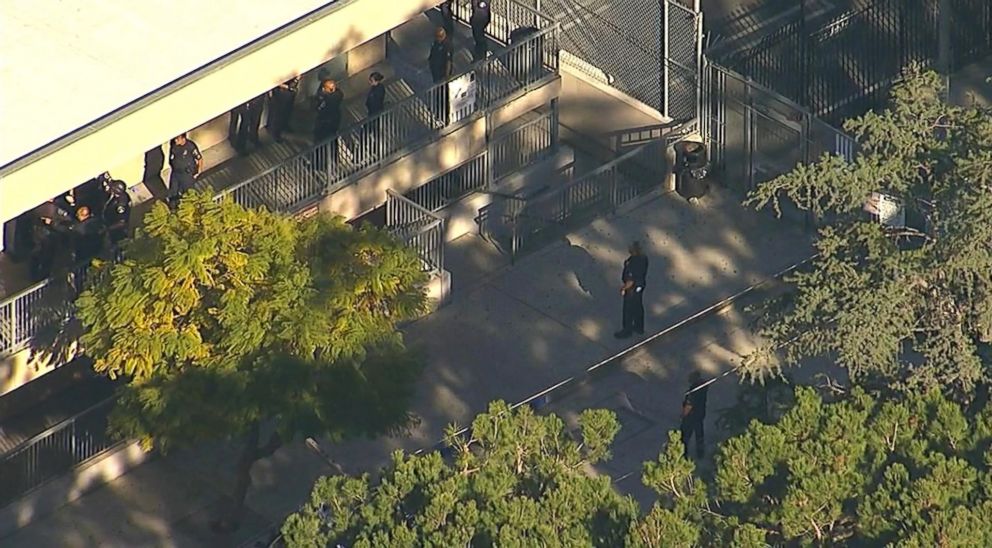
{"x": 854, "y": 472}
{"x": 908, "y": 307}
{"x": 519, "y": 480}
{"x": 226, "y": 320}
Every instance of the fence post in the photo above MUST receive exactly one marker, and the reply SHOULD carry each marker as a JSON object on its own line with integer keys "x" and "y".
{"x": 664, "y": 57}
{"x": 554, "y": 125}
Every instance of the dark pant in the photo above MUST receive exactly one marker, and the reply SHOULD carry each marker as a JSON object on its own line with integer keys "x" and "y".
{"x": 179, "y": 182}
{"x": 633, "y": 311}
{"x": 690, "y": 426}
{"x": 479, "y": 36}
{"x": 280, "y": 112}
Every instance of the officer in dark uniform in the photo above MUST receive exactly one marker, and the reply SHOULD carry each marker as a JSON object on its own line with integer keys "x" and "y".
{"x": 91, "y": 194}
{"x": 253, "y": 119}
{"x": 243, "y": 127}
{"x": 116, "y": 211}
{"x": 186, "y": 163}
{"x": 375, "y": 101}
{"x": 51, "y": 237}
{"x": 634, "y": 278}
{"x": 154, "y": 163}
{"x": 440, "y": 61}
{"x": 327, "y": 122}
{"x": 281, "y": 101}
{"x": 448, "y": 17}
{"x": 87, "y": 235}
{"x": 68, "y": 203}
{"x": 694, "y": 413}
{"x": 481, "y": 16}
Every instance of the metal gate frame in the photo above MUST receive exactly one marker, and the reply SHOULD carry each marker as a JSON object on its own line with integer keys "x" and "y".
{"x": 682, "y": 59}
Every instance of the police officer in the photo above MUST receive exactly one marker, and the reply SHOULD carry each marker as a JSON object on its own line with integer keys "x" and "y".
{"x": 694, "y": 413}
{"x": 375, "y": 101}
{"x": 186, "y": 163}
{"x": 253, "y": 119}
{"x": 448, "y": 17}
{"x": 440, "y": 60}
{"x": 481, "y": 16}
{"x": 116, "y": 211}
{"x": 91, "y": 194}
{"x": 243, "y": 127}
{"x": 51, "y": 236}
{"x": 327, "y": 122}
{"x": 87, "y": 235}
{"x": 281, "y": 101}
{"x": 634, "y": 278}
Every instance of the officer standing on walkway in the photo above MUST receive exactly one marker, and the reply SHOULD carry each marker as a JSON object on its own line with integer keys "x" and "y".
{"x": 116, "y": 211}
{"x": 694, "y": 413}
{"x": 634, "y": 278}
{"x": 327, "y": 105}
{"x": 375, "y": 101}
{"x": 281, "y": 101}
{"x": 481, "y": 16}
{"x": 448, "y": 17}
{"x": 186, "y": 163}
{"x": 440, "y": 60}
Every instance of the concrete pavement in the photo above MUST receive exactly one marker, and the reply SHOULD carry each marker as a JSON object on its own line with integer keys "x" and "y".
{"x": 509, "y": 333}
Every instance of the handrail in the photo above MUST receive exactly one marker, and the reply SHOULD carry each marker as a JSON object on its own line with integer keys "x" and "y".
{"x": 408, "y": 202}
{"x": 21, "y": 447}
{"x": 362, "y": 127}
{"x": 594, "y": 173}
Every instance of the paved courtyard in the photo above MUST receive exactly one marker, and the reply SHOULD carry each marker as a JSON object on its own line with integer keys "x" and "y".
{"x": 509, "y": 332}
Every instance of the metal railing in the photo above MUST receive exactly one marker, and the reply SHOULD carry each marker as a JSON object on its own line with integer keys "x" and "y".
{"x": 51, "y": 453}
{"x": 531, "y": 220}
{"x": 507, "y": 16}
{"x": 419, "y": 118}
{"x": 20, "y": 320}
{"x": 524, "y": 145}
{"x": 418, "y": 227}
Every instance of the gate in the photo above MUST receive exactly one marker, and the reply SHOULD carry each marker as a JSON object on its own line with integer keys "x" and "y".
{"x": 756, "y": 134}
{"x": 682, "y": 54}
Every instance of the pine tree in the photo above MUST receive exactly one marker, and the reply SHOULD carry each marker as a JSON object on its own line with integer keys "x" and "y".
{"x": 224, "y": 320}
{"x": 907, "y": 307}
{"x": 519, "y": 480}
{"x": 854, "y": 472}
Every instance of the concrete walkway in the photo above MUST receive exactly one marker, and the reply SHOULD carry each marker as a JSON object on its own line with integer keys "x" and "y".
{"x": 515, "y": 331}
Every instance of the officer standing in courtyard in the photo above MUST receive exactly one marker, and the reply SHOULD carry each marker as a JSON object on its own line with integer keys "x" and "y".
{"x": 694, "y": 413}
{"x": 186, "y": 163}
{"x": 481, "y": 16}
{"x": 634, "y": 278}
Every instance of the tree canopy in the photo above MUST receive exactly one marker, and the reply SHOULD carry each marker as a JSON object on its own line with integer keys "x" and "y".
{"x": 222, "y": 318}
{"x": 856, "y": 472}
{"x": 907, "y": 306}
{"x": 908, "y": 472}
{"x": 518, "y": 480}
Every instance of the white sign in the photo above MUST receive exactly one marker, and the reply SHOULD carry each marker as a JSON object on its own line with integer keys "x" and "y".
{"x": 461, "y": 97}
{"x": 888, "y": 209}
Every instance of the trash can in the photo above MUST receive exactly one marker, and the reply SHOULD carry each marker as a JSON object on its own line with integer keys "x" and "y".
{"x": 524, "y": 62}
{"x": 691, "y": 167}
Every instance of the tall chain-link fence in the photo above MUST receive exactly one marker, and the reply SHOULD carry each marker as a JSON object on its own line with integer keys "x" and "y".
{"x": 648, "y": 49}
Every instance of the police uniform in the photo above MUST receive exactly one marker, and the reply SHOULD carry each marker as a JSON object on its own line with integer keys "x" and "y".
{"x": 281, "y": 104}
{"x": 635, "y": 270}
{"x": 183, "y": 160}
{"x": 326, "y": 124}
{"x": 375, "y": 102}
{"x": 440, "y": 60}
{"x": 448, "y": 17}
{"x": 87, "y": 239}
{"x": 481, "y": 16}
{"x": 117, "y": 211}
{"x": 692, "y": 422}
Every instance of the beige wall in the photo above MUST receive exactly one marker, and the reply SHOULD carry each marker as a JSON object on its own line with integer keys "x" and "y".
{"x": 23, "y": 367}
{"x": 597, "y": 110}
{"x": 214, "y": 92}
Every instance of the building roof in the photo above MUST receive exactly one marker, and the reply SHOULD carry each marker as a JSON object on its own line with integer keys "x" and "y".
{"x": 67, "y": 63}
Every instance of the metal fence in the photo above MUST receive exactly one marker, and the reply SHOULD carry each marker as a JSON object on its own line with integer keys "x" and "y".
{"x": 328, "y": 166}
{"x": 26, "y": 313}
{"x": 417, "y": 227}
{"x": 54, "y": 451}
{"x": 650, "y": 51}
{"x": 525, "y": 222}
{"x": 508, "y": 152}
{"x": 844, "y": 68}
{"x": 756, "y": 134}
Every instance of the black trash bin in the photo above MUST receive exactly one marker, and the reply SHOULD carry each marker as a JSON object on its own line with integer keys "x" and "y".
{"x": 524, "y": 62}
{"x": 691, "y": 166}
